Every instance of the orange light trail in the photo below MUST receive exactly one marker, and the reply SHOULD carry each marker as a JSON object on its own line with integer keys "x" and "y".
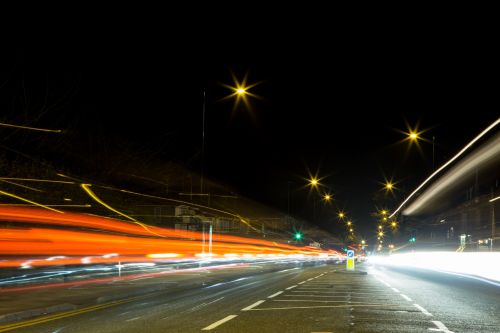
{"x": 47, "y": 237}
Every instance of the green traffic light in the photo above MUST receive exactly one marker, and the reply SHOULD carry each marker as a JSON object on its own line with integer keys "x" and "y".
{"x": 298, "y": 235}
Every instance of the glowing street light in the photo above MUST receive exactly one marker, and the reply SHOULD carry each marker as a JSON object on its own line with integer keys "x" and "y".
{"x": 381, "y": 233}
{"x": 241, "y": 91}
{"x": 393, "y": 224}
{"x": 341, "y": 215}
{"x": 313, "y": 182}
{"x": 349, "y": 223}
{"x": 363, "y": 241}
{"x": 327, "y": 197}
{"x": 383, "y": 212}
{"x": 351, "y": 230}
{"x": 380, "y": 227}
{"x": 413, "y": 136}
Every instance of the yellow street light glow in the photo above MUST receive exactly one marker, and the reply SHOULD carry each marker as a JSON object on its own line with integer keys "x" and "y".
{"x": 341, "y": 215}
{"x": 380, "y": 227}
{"x": 381, "y": 234}
{"x": 363, "y": 241}
{"x": 393, "y": 224}
{"x": 351, "y": 230}
{"x": 241, "y": 91}
{"x": 349, "y": 223}
{"x": 313, "y": 182}
{"x": 389, "y": 186}
{"x": 383, "y": 212}
{"x": 385, "y": 218}
{"x": 413, "y": 136}
{"x": 327, "y": 197}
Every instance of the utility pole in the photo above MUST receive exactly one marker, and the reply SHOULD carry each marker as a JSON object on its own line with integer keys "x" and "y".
{"x": 202, "y": 144}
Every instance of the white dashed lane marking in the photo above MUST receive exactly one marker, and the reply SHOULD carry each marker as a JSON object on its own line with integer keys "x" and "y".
{"x": 275, "y": 294}
{"x": 218, "y": 323}
{"x": 424, "y": 311}
{"x": 250, "y": 307}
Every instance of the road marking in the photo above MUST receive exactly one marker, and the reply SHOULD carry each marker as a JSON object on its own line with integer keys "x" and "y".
{"x": 395, "y": 290}
{"x": 440, "y": 327}
{"x": 424, "y": 311}
{"x": 124, "y": 313}
{"x": 314, "y": 301}
{"x": 218, "y": 323}
{"x": 302, "y": 282}
{"x": 291, "y": 287}
{"x": 406, "y": 297}
{"x": 70, "y": 313}
{"x": 133, "y": 319}
{"x": 275, "y": 294}
{"x": 310, "y": 279}
{"x": 330, "y": 306}
{"x": 253, "y": 305}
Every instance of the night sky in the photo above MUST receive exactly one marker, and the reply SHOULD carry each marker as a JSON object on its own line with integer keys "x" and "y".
{"x": 334, "y": 114}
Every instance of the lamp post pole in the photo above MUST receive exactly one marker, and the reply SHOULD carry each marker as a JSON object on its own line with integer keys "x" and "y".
{"x": 202, "y": 144}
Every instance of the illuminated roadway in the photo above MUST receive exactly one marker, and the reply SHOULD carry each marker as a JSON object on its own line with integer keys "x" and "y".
{"x": 286, "y": 297}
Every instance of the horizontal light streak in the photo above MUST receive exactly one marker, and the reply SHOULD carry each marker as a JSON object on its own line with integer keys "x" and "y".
{"x": 480, "y": 264}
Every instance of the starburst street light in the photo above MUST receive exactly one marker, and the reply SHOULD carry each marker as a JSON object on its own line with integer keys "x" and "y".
{"x": 327, "y": 197}
{"x": 341, "y": 215}
{"x": 413, "y": 136}
{"x": 349, "y": 223}
{"x": 240, "y": 90}
{"x": 313, "y": 182}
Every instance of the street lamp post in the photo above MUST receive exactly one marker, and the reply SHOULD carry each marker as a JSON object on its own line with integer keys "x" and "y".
{"x": 202, "y": 143}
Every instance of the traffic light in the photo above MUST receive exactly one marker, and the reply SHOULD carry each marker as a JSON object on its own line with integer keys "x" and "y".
{"x": 413, "y": 240}
{"x": 298, "y": 235}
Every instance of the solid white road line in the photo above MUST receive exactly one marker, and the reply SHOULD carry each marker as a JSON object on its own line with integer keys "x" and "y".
{"x": 218, "y": 323}
{"x": 395, "y": 290}
{"x": 275, "y": 294}
{"x": 291, "y": 287}
{"x": 250, "y": 307}
{"x": 302, "y": 282}
{"x": 424, "y": 311}
{"x": 406, "y": 297}
{"x": 440, "y": 327}
{"x": 133, "y": 319}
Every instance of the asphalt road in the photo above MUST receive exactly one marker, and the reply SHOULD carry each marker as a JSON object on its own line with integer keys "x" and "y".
{"x": 295, "y": 298}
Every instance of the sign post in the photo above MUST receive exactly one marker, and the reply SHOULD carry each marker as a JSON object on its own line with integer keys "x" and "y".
{"x": 350, "y": 260}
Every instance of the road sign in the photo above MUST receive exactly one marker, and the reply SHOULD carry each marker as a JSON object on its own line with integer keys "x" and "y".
{"x": 350, "y": 260}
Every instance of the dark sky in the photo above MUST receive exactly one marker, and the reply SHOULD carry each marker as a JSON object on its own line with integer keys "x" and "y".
{"x": 335, "y": 113}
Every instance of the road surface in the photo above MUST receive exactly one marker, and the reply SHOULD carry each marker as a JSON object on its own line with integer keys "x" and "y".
{"x": 293, "y": 298}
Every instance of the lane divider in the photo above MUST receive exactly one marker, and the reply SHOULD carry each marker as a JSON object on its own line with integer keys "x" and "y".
{"x": 218, "y": 323}
{"x": 275, "y": 294}
{"x": 250, "y": 307}
{"x": 424, "y": 311}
